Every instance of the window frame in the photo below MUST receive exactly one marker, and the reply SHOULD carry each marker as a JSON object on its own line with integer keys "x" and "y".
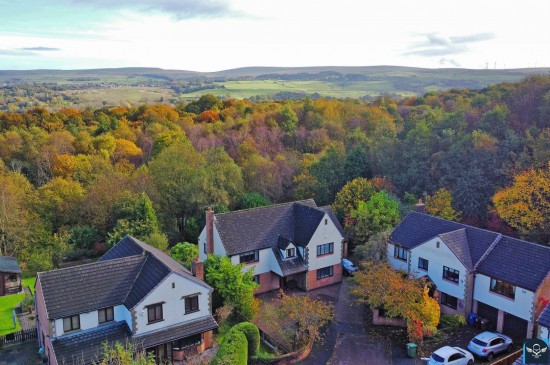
{"x": 325, "y": 272}
{"x": 424, "y": 267}
{"x": 106, "y": 310}
{"x": 446, "y": 274}
{"x": 444, "y": 299}
{"x": 243, "y": 257}
{"x": 292, "y": 250}
{"x": 256, "y": 279}
{"x": 153, "y": 307}
{"x": 400, "y": 249}
{"x": 191, "y": 304}
{"x": 495, "y": 283}
{"x": 325, "y": 249}
{"x": 72, "y": 324}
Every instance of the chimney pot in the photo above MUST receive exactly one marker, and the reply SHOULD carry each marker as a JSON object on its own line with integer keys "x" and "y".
{"x": 420, "y": 206}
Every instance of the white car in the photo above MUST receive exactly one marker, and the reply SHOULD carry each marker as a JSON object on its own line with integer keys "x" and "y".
{"x": 488, "y": 344}
{"x": 448, "y": 355}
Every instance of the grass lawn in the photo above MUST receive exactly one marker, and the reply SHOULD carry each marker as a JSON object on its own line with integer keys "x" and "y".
{"x": 7, "y": 304}
{"x": 30, "y": 283}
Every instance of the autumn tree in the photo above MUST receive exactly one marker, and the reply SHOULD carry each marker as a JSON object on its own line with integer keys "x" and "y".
{"x": 440, "y": 205}
{"x": 380, "y": 286}
{"x": 348, "y": 198}
{"x": 297, "y": 319}
{"x": 525, "y": 205}
{"x": 375, "y": 249}
{"x": 253, "y": 200}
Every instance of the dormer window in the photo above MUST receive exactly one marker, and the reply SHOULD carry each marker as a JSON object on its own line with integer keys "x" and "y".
{"x": 105, "y": 315}
{"x": 71, "y": 323}
{"x": 290, "y": 252}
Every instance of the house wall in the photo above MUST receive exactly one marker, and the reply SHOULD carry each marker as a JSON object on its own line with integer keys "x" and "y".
{"x": 43, "y": 325}
{"x": 173, "y": 307}
{"x": 268, "y": 281}
{"x": 396, "y": 263}
{"x": 325, "y": 233}
{"x": 91, "y": 320}
{"x": 8, "y": 286}
{"x": 314, "y": 283}
{"x": 218, "y": 246}
{"x": 521, "y": 306}
{"x": 544, "y": 332}
{"x": 264, "y": 264}
{"x": 439, "y": 257}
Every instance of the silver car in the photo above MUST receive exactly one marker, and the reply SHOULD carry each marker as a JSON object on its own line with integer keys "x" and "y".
{"x": 488, "y": 344}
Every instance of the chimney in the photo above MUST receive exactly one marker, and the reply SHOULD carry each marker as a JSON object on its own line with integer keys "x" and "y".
{"x": 209, "y": 231}
{"x": 197, "y": 268}
{"x": 420, "y": 207}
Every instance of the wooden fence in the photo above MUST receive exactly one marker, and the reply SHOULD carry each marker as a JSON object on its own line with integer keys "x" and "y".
{"x": 20, "y": 336}
{"x": 509, "y": 359}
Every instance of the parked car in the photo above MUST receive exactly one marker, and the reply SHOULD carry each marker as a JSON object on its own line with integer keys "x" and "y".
{"x": 349, "y": 267}
{"x": 488, "y": 344}
{"x": 448, "y": 355}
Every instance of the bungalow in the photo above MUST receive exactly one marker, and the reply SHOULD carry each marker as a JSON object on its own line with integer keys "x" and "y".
{"x": 133, "y": 293}
{"x": 474, "y": 270}
{"x": 10, "y": 276}
{"x": 292, "y": 244}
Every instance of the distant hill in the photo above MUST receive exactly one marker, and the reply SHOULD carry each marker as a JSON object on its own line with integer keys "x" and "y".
{"x": 134, "y": 85}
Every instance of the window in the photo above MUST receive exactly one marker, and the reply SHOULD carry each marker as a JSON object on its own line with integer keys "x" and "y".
{"x": 449, "y": 300}
{"x": 71, "y": 323}
{"x": 325, "y": 249}
{"x": 325, "y": 272}
{"x": 497, "y": 341}
{"x": 456, "y": 356}
{"x": 437, "y": 244}
{"x": 400, "y": 253}
{"x": 290, "y": 252}
{"x": 250, "y": 256}
{"x": 450, "y": 274}
{"x": 204, "y": 247}
{"x": 423, "y": 264}
{"x": 326, "y": 222}
{"x": 191, "y": 304}
{"x": 154, "y": 313}
{"x": 105, "y": 315}
{"x": 12, "y": 277}
{"x": 503, "y": 288}
{"x": 186, "y": 342}
{"x": 257, "y": 279}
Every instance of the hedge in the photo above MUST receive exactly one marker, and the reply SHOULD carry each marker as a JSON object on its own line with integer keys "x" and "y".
{"x": 252, "y": 334}
{"x": 233, "y": 350}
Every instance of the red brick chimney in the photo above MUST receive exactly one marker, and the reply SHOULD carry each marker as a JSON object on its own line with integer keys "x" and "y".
{"x": 197, "y": 268}
{"x": 209, "y": 231}
{"x": 420, "y": 207}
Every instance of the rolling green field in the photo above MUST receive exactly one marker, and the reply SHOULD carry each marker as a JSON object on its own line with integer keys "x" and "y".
{"x": 126, "y": 96}
{"x": 249, "y": 88}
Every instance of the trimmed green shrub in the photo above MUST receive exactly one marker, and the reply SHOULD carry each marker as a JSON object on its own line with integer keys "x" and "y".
{"x": 252, "y": 334}
{"x": 452, "y": 321}
{"x": 233, "y": 350}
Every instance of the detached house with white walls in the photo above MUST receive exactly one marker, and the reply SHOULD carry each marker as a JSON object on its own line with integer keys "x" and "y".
{"x": 296, "y": 244}
{"x": 134, "y": 293}
{"x": 503, "y": 279}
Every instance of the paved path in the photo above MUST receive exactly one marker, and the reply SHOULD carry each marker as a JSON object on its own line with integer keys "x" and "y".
{"x": 347, "y": 343}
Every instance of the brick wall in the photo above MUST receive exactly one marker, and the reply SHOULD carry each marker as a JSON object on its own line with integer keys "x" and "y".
{"x": 44, "y": 324}
{"x": 268, "y": 281}
{"x": 314, "y": 283}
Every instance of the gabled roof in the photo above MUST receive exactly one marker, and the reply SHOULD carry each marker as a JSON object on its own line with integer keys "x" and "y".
{"x": 9, "y": 264}
{"x": 291, "y": 265}
{"x": 457, "y": 241}
{"x": 521, "y": 263}
{"x": 89, "y": 287}
{"x": 283, "y": 243}
{"x": 260, "y": 228}
{"x": 84, "y": 347}
{"x": 123, "y": 276}
{"x": 328, "y": 209}
{"x": 544, "y": 318}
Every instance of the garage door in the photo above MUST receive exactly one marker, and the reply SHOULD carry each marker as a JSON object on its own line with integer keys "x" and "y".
{"x": 515, "y": 327}
{"x": 486, "y": 311}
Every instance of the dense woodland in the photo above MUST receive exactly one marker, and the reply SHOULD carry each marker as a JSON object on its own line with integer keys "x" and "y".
{"x": 72, "y": 182}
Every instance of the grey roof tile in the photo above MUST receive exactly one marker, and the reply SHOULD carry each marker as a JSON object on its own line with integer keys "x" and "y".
{"x": 175, "y": 332}
{"x": 84, "y": 347}
{"x": 457, "y": 241}
{"x": 9, "y": 264}
{"x": 518, "y": 262}
{"x": 292, "y": 265}
{"x": 88, "y": 287}
{"x": 151, "y": 274}
{"x": 260, "y": 228}
{"x": 544, "y": 318}
{"x": 521, "y": 263}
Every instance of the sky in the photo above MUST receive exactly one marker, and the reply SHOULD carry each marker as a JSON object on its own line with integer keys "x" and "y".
{"x": 214, "y": 35}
